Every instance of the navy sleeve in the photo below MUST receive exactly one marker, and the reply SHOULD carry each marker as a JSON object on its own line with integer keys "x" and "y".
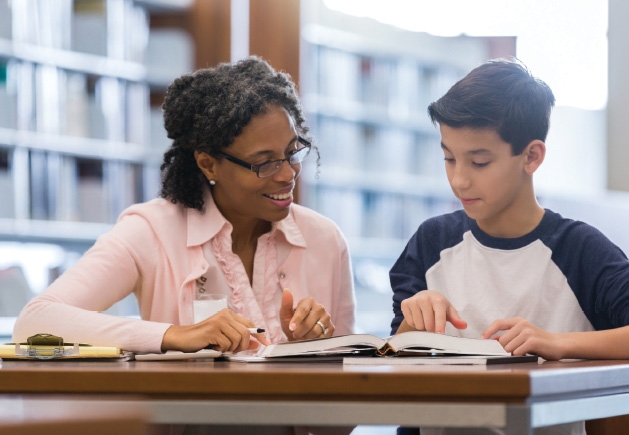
{"x": 408, "y": 274}
{"x": 597, "y": 271}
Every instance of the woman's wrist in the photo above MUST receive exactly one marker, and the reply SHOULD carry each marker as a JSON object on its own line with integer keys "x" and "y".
{"x": 168, "y": 341}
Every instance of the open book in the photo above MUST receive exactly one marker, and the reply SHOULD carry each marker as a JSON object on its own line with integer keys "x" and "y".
{"x": 412, "y": 343}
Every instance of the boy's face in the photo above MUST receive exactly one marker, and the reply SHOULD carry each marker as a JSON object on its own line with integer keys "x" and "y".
{"x": 484, "y": 175}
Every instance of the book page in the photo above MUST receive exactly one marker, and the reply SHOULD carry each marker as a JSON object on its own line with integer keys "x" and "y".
{"x": 446, "y": 343}
{"x": 440, "y": 360}
{"x": 340, "y": 344}
{"x": 177, "y": 355}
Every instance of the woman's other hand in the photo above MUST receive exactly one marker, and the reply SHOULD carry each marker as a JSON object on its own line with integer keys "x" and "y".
{"x": 308, "y": 320}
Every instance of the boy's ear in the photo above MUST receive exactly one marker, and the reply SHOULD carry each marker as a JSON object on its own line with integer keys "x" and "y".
{"x": 206, "y": 163}
{"x": 534, "y": 154}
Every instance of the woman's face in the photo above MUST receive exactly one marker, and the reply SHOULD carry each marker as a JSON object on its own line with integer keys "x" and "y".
{"x": 238, "y": 192}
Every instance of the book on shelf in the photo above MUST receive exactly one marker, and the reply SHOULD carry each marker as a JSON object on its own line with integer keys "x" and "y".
{"x": 7, "y": 206}
{"x": 411, "y": 343}
{"x": 25, "y": 100}
{"x": 50, "y": 83}
{"x": 38, "y": 182}
{"x": 92, "y": 193}
{"x": 111, "y": 96}
{"x": 124, "y": 183}
{"x": 8, "y": 100}
{"x": 76, "y": 120}
{"x": 6, "y": 20}
{"x": 137, "y": 113}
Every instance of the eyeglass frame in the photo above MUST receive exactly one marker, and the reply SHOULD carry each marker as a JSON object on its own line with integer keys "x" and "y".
{"x": 256, "y": 168}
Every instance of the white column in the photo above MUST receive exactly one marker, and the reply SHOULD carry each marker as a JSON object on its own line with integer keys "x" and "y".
{"x": 239, "y": 29}
{"x": 618, "y": 97}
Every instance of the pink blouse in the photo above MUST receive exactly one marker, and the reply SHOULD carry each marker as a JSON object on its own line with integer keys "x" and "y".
{"x": 158, "y": 250}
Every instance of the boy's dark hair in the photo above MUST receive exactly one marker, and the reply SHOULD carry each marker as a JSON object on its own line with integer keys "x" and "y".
{"x": 206, "y": 110}
{"x": 501, "y": 95}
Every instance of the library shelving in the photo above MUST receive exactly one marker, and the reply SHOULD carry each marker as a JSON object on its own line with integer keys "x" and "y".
{"x": 75, "y": 137}
{"x": 382, "y": 170}
{"x": 78, "y": 140}
{"x": 365, "y": 88}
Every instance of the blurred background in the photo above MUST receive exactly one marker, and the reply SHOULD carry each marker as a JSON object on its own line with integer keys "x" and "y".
{"x": 81, "y": 134}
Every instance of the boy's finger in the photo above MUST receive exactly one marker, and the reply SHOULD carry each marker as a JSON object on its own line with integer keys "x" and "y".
{"x": 440, "y": 321}
{"x": 452, "y": 316}
{"x": 428, "y": 318}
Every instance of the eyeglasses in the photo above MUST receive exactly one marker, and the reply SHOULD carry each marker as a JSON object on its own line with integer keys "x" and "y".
{"x": 272, "y": 167}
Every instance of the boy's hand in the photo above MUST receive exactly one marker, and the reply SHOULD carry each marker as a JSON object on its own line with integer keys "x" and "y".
{"x": 429, "y": 311}
{"x": 304, "y": 322}
{"x": 521, "y": 337}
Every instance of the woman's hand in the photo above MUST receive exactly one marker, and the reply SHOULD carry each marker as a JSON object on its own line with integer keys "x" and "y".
{"x": 429, "y": 310}
{"x": 225, "y": 331}
{"x": 308, "y": 320}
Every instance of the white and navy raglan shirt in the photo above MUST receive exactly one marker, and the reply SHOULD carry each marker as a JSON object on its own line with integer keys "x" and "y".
{"x": 564, "y": 276}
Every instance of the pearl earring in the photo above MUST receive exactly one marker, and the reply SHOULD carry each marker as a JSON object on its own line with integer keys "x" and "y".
{"x": 212, "y": 182}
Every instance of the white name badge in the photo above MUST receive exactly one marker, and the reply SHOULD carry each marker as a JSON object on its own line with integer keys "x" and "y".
{"x": 207, "y": 304}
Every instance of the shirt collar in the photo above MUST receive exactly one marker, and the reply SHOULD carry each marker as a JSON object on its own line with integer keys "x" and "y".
{"x": 203, "y": 226}
{"x": 291, "y": 231}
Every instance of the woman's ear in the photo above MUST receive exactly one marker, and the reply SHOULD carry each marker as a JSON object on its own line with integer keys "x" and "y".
{"x": 206, "y": 163}
{"x": 534, "y": 154}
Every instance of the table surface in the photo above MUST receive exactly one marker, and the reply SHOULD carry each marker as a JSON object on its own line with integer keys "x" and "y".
{"x": 45, "y": 417}
{"x": 518, "y": 397}
{"x": 509, "y": 383}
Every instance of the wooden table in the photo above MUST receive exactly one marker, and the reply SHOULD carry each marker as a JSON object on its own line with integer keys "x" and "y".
{"x": 517, "y": 396}
{"x": 32, "y": 416}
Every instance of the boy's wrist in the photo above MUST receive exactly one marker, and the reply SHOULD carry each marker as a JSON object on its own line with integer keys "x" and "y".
{"x": 566, "y": 345}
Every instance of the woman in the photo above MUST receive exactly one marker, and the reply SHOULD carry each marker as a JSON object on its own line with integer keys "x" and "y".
{"x": 225, "y": 223}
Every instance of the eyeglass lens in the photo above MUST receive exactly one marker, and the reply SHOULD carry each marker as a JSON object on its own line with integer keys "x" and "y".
{"x": 273, "y": 167}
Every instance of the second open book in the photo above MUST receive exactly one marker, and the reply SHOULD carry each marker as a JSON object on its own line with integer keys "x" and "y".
{"x": 407, "y": 343}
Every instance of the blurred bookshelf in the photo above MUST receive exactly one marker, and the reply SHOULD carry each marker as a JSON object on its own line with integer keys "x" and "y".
{"x": 365, "y": 87}
{"x": 81, "y": 134}
{"x": 78, "y": 142}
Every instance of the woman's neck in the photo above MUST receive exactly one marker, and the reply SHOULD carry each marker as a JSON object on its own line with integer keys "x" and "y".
{"x": 245, "y": 243}
{"x": 246, "y": 234}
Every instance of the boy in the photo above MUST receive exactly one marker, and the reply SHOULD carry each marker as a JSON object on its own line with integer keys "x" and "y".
{"x": 550, "y": 286}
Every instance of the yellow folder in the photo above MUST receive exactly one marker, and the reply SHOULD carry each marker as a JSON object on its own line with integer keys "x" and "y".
{"x": 52, "y": 347}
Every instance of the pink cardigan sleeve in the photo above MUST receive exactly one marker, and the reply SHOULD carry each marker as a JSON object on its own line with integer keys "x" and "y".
{"x": 112, "y": 269}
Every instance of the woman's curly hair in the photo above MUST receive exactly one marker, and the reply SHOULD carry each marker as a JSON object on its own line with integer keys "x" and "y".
{"x": 206, "y": 110}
